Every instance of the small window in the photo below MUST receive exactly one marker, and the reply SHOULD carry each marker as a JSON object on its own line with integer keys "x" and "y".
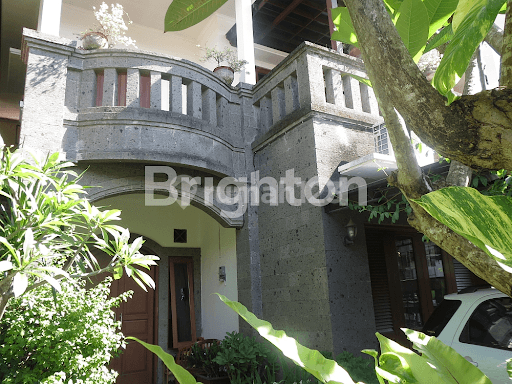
{"x": 441, "y": 316}
{"x": 180, "y": 235}
{"x": 490, "y": 325}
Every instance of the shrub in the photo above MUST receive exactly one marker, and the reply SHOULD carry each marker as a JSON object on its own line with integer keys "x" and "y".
{"x": 247, "y": 361}
{"x": 68, "y": 337}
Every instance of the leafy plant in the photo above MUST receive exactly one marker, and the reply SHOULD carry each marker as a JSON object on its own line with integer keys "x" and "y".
{"x": 488, "y": 226}
{"x": 227, "y": 56}
{"x": 47, "y": 229}
{"x": 203, "y": 357}
{"x": 64, "y": 338}
{"x": 244, "y": 358}
{"x": 359, "y": 368}
{"x": 112, "y": 25}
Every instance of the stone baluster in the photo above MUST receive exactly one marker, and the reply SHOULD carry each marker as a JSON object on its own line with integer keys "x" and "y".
{"x": 222, "y": 111}
{"x": 210, "y": 106}
{"x": 175, "y": 94}
{"x": 265, "y": 113}
{"x": 194, "y": 100}
{"x": 291, "y": 94}
{"x": 156, "y": 90}
{"x": 109, "y": 87}
{"x": 278, "y": 104}
{"x": 133, "y": 88}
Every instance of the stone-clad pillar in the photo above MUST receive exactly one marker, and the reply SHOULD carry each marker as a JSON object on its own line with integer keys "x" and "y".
{"x": 42, "y": 128}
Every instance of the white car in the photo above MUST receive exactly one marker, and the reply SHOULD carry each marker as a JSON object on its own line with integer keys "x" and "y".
{"x": 477, "y": 323}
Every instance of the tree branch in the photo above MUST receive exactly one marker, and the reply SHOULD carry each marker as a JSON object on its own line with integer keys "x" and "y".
{"x": 473, "y": 130}
{"x": 506, "y": 50}
{"x": 495, "y": 38}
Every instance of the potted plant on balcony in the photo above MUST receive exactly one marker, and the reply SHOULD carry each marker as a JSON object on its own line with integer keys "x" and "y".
{"x": 227, "y": 56}
{"x": 110, "y": 30}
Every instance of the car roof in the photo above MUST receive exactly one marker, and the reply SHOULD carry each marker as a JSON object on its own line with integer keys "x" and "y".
{"x": 474, "y": 294}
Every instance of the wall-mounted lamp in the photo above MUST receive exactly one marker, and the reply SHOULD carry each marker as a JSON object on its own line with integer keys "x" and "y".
{"x": 222, "y": 274}
{"x": 351, "y": 233}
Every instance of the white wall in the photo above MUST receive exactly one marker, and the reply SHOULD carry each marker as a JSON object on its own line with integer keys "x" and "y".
{"x": 218, "y": 248}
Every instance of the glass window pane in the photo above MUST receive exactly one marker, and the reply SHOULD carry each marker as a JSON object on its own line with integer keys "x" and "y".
{"x": 435, "y": 272}
{"x": 182, "y": 302}
{"x": 409, "y": 283}
{"x": 490, "y": 324}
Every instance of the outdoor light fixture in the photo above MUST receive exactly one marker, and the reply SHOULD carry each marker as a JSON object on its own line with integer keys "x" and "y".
{"x": 222, "y": 274}
{"x": 351, "y": 233}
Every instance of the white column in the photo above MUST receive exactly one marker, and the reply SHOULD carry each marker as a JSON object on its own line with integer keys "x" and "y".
{"x": 49, "y": 17}
{"x": 339, "y": 45}
{"x": 244, "y": 40}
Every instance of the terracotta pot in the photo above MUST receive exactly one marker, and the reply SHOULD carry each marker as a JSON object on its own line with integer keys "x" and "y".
{"x": 94, "y": 40}
{"x": 225, "y": 73}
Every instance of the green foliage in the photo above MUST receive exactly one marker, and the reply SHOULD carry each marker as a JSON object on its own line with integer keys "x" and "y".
{"x": 64, "y": 338}
{"x": 312, "y": 361}
{"x": 245, "y": 359}
{"x": 413, "y": 13}
{"x": 486, "y": 221}
{"x": 227, "y": 55}
{"x": 180, "y": 373}
{"x": 47, "y": 227}
{"x": 437, "y": 363}
{"x": 203, "y": 357}
{"x": 471, "y": 22}
{"x": 359, "y": 368}
{"x": 183, "y": 14}
{"x": 418, "y": 20}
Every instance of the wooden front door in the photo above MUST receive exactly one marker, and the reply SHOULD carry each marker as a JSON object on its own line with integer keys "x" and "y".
{"x": 135, "y": 365}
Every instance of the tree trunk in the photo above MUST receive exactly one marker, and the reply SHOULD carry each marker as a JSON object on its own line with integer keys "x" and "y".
{"x": 475, "y": 130}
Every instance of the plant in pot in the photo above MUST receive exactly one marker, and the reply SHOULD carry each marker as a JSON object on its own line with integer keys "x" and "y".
{"x": 227, "y": 56}
{"x": 110, "y": 30}
{"x": 200, "y": 362}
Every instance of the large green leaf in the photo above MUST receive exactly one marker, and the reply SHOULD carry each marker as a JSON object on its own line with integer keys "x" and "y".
{"x": 412, "y": 24}
{"x": 470, "y": 32}
{"x": 323, "y": 369}
{"x": 441, "y": 38}
{"x": 180, "y": 373}
{"x": 451, "y": 366}
{"x": 486, "y": 221}
{"x": 439, "y": 11}
{"x": 182, "y": 14}
{"x": 344, "y": 29}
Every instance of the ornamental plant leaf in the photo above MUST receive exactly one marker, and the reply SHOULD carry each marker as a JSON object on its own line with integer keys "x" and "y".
{"x": 323, "y": 369}
{"x": 441, "y": 38}
{"x": 469, "y": 33}
{"x": 451, "y": 366}
{"x": 438, "y": 363}
{"x": 439, "y": 11}
{"x": 180, "y": 373}
{"x": 344, "y": 28}
{"x": 183, "y": 14}
{"x": 486, "y": 221}
{"x": 413, "y": 24}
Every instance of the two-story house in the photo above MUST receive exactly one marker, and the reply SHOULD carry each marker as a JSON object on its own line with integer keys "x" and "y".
{"x": 142, "y": 120}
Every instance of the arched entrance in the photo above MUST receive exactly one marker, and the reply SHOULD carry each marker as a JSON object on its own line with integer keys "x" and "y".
{"x": 191, "y": 243}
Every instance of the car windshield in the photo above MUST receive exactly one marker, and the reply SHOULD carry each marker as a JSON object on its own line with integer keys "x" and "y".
{"x": 438, "y": 320}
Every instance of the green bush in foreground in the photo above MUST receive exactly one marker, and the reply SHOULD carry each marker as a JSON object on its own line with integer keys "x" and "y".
{"x": 68, "y": 337}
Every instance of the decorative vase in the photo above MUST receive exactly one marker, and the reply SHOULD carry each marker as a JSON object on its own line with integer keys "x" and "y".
{"x": 225, "y": 73}
{"x": 94, "y": 40}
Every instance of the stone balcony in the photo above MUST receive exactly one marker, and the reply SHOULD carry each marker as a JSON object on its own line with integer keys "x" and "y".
{"x": 120, "y": 105}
